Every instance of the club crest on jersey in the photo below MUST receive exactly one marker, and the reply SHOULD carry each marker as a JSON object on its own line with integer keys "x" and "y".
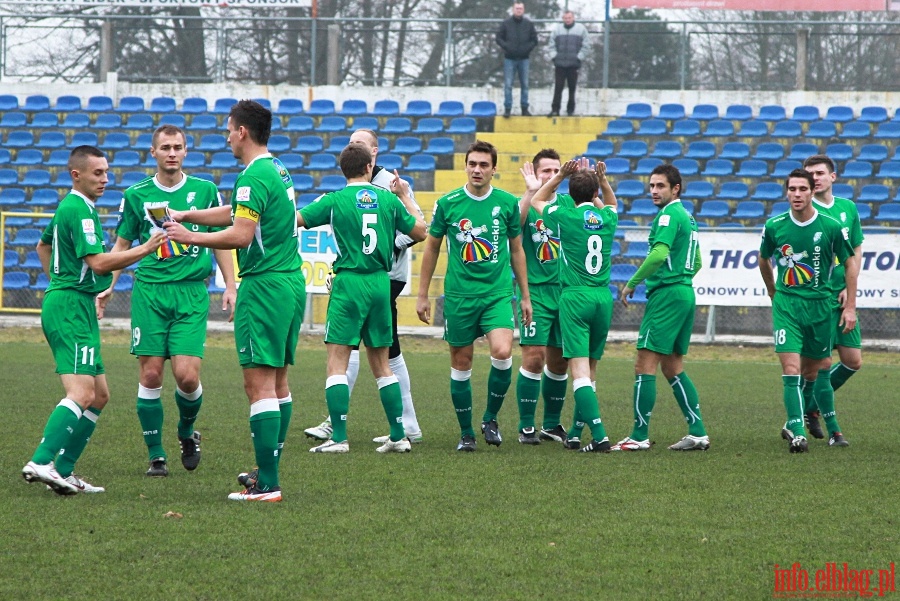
{"x": 817, "y": 237}
{"x": 797, "y": 273}
{"x": 844, "y": 217}
{"x": 495, "y": 211}
{"x": 474, "y": 248}
{"x": 547, "y": 244}
{"x": 190, "y": 197}
{"x": 366, "y": 199}
{"x": 592, "y": 221}
{"x": 282, "y": 171}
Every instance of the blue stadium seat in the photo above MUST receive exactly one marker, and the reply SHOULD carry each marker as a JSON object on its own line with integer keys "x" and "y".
{"x": 874, "y": 193}
{"x": 889, "y": 170}
{"x": 857, "y": 169}
{"x": 407, "y": 145}
{"x": 322, "y": 162}
{"x": 353, "y": 107}
{"x": 782, "y": 206}
{"x": 76, "y": 121}
{"x": 300, "y": 123}
{"x": 705, "y": 112}
{"x": 176, "y": 120}
{"x": 688, "y": 205}
{"x": 718, "y": 168}
{"x": 320, "y": 107}
{"x": 663, "y": 150}
{"x": 368, "y": 123}
{"x": 279, "y": 143}
{"x": 29, "y": 156}
{"x": 622, "y": 272}
{"x": 802, "y": 151}
{"x": 303, "y": 182}
{"x": 304, "y": 200}
{"x": 386, "y": 108}
{"x": 27, "y": 237}
{"x": 630, "y": 188}
{"x": 719, "y": 128}
{"x": 13, "y": 119}
{"x": 139, "y": 121}
{"x": 192, "y": 160}
{"x": 888, "y": 131}
{"x": 130, "y": 178}
{"x": 787, "y": 129}
{"x": 124, "y": 283}
{"x": 107, "y": 121}
{"x": 162, "y": 104}
{"x": 685, "y": 128}
{"x": 769, "y": 151}
{"x": 642, "y": 207}
{"x": 450, "y": 108}
{"x": 461, "y": 125}
{"x": 144, "y": 141}
{"x": 619, "y": 127}
{"x": 8, "y": 102}
{"x": 417, "y": 108}
{"x": 714, "y": 209}
{"x": 131, "y": 104}
{"x": 671, "y": 112}
{"x": 111, "y": 199}
{"x": 288, "y": 107}
{"x": 856, "y": 130}
{"x": 64, "y": 180}
{"x": 12, "y": 197}
{"x": 843, "y": 191}
{"x": 806, "y": 113}
{"x": 839, "y": 152}
{"x": 127, "y": 158}
{"x": 212, "y": 143}
{"x": 636, "y": 250}
{"x": 644, "y": 166}
{"x": 687, "y": 167}
{"x": 222, "y": 160}
{"x": 618, "y": 166}
{"x": 889, "y": 212}
{"x": 16, "y": 280}
{"x": 309, "y": 144}
{"x": 768, "y": 191}
{"x": 771, "y": 112}
{"x": 51, "y": 139}
{"x": 204, "y": 175}
{"x": 638, "y": 111}
{"x": 698, "y": 190}
{"x": 223, "y": 106}
{"x": 483, "y": 108}
{"x": 203, "y": 123}
{"x": 36, "y": 103}
{"x": 10, "y": 259}
{"x": 115, "y": 141}
{"x": 98, "y": 104}
{"x": 738, "y": 112}
{"x": 57, "y": 158}
{"x": 390, "y": 161}
{"x": 749, "y": 209}
{"x": 227, "y": 181}
{"x": 44, "y": 120}
{"x": 5, "y": 157}
{"x": 291, "y": 161}
{"x": 338, "y": 143}
{"x": 44, "y": 197}
{"x": 701, "y": 151}
{"x": 865, "y": 211}
{"x": 600, "y": 149}
{"x": 821, "y": 129}
{"x": 754, "y": 129}
{"x": 652, "y": 127}
{"x": 437, "y": 146}
{"x": 873, "y": 114}
{"x": 733, "y": 191}
{"x": 19, "y": 139}
{"x": 397, "y": 125}
{"x": 429, "y": 125}
{"x": 874, "y": 153}
{"x": 633, "y": 149}
{"x": 783, "y": 168}
{"x": 330, "y": 183}
{"x": 735, "y": 151}
{"x": 332, "y": 124}
{"x": 839, "y": 114}
{"x": 194, "y": 106}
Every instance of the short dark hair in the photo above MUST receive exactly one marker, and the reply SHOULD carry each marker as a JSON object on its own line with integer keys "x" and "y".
{"x": 168, "y": 130}
{"x": 545, "y": 153}
{"x": 482, "y": 146}
{"x": 583, "y": 185}
{"x": 672, "y": 175}
{"x": 820, "y": 159}
{"x": 801, "y": 173}
{"x": 80, "y": 153}
{"x": 255, "y": 117}
{"x": 354, "y": 159}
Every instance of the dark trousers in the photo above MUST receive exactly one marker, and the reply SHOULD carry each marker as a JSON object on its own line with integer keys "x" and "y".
{"x": 565, "y": 76}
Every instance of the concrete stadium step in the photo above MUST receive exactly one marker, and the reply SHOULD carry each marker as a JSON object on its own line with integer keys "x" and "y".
{"x": 530, "y": 143}
{"x": 551, "y": 125}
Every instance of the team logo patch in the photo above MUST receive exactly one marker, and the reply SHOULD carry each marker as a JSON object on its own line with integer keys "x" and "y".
{"x": 664, "y": 220}
{"x": 817, "y": 237}
{"x": 282, "y": 171}
{"x": 495, "y": 211}
{"x": 592, "y": 221}
{"x": 87, "y": 225}
{"x": 366, "y": 199}
{"x": 797, "y": 273}
{"x": 474, "y": 249}
{"x": 844, "y": 217}
{"x": 242, "y": 194}
{"x": 547, "y": 244}
{"x": 190, "y": 197}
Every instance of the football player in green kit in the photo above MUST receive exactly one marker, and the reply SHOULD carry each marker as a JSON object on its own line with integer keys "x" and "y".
{"x": 483, "y": 231}
{"x": 805, "y": 244}
{"x": 586, "y": 230}
{"x": 364, "y": 218}
{"x": 73, "y": 256}
{"x": 665, "y": 333}
{"x": 170, "y": 301}
{"x": 272, "y": 296}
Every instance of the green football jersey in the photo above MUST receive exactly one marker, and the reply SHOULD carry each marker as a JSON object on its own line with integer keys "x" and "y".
{"x": 541, "y": 245}
{"x": 171, "y": 262}
{"x": 478, "y": 232}
{"x": 364, "y": 219}
{"x": 74, "y": 233}
{"x": 676, "y": 228}
{"x": 805, "y": 253}
{"x": 264, "y": 193}
{"x": 586, "y": 236}
{"x": 844, "y": 211}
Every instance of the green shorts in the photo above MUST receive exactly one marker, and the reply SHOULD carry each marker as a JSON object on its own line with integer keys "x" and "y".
{"x": 69, "y": 321}
{"x": 585, "y": 314}
{"x": 467, "y": 319}
{"x": 544, "y": 327}
{"x": 852, "y": 339}
{"x": 169, "y": 319}
{"x": 359, "y": 308}
{"x": 267, "y": 318}
{"x": 804, "y": 326}
{"x": 668, "y": 320}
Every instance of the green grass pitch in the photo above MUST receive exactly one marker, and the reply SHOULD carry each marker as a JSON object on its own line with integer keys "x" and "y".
{"x": 513, "y": 522}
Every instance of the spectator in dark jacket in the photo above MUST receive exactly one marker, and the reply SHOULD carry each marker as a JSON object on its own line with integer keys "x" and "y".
{"x": 518, "y": 37}
{"x": 570, "y": 43}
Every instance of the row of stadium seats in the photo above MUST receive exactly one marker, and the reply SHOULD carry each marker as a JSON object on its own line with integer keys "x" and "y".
{"x": 724, "y": 128}
{"x": 640, "y": 111}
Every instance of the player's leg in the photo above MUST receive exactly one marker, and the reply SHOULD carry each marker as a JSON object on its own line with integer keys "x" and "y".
{"x": 587, "y": 406}
{"x": 688, "y": 401}
{"x": 461, "y": 329}
{"x": 644, "y": 399}
{"x": 554, "y": 382}
{"x": 285, "y": 406}
{"x": 337, "y": 397}
{"x": 817, "y": 350}
{"x": 398, "y": 366}
{"x": 265, "y": 424}
{"x": 150, "y": 412}
{"x": 391, "y": 401}
{"x": 788, "y": 336}
{"x": 528, "y": 389}
{"x": 849, "y": 348}
{"x": 81, "y": 435}
{"x": 499, "y": 379}
{"x": 188, "y": 398}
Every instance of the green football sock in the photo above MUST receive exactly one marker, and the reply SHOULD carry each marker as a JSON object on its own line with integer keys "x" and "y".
{"x": 461, "y": 395}
{"x": 824, "y": 394}
{"x": 644, "y": 400}
{"x": 499, "y": 381}
{"x": 392, "y": 401}
{"x": 286, "y": 405}
{"x": 793, "y": 405}
{"x": 337, "y": 397}
{"x": 188, "y": 408}
{"x": 60, "y": 425}
{"x": 588, "y": 407}
{"x": 81, "y": 435}
{"x": 265, "y": 423}
{"x": 689, "y": 403}
{"x": 577, "y": 424}
{"x": 150, "y": 414}
{"x": 528, "y": 388}
{"x": 809, "y": 399}
{"x": 553, "y": 389}
{"x": 840, "y": 373}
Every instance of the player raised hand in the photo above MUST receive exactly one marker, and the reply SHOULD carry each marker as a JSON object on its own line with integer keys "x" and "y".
{"x": 399, "y": 186}
{"x": 570, "y": 167}
{"x": 532, "y": 183}
{"x": 600, "y": 168}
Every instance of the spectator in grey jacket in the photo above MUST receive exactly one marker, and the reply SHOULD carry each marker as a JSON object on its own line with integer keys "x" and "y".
{"x": 518, "y": 37}
{"x": 570, "y": 43}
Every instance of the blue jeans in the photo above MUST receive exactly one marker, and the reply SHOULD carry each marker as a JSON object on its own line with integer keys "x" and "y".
{"x": 510, "y": 68}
